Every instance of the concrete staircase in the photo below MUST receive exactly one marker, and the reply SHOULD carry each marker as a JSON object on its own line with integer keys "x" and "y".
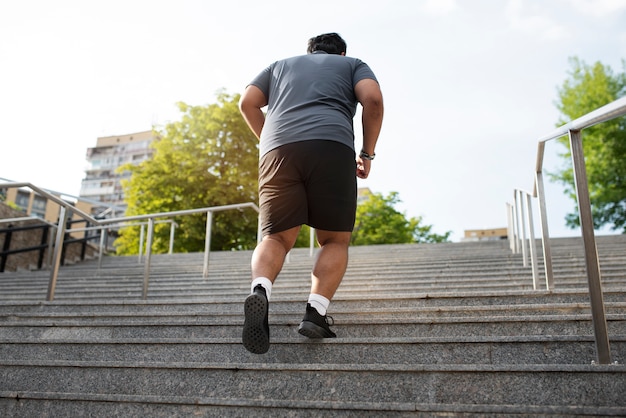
{"x": 423, "y": 330}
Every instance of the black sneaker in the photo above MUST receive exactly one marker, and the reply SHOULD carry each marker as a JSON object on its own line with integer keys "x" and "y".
{"x": 256, "y": 330}
{"x": 315, "y": 325}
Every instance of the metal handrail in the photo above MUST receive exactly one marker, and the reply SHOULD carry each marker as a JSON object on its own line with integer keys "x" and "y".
{"x": 207, "y": 241}
{"x": 605, "y": 113}
{"x": 25, "y": 219}
{"x": 49, "y": 196}
{"x": 65, "y": 208}
{"x": 109, "y": 207}
{"x": 141, "y": 239}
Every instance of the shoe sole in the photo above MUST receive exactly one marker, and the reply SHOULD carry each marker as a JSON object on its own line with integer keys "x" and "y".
{"x": 311, "y": 330}
{"x": 255, "y": 336}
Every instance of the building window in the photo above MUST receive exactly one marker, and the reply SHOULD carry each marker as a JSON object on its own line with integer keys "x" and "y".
{"x": 22, "y": 199}
{"x": 39, "y": 206}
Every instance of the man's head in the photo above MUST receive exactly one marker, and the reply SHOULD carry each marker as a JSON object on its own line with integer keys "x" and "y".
{"x": 330, "y": 43}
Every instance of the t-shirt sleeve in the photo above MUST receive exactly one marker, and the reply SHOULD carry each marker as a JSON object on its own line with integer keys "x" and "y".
{"x": 361, "y": 72}
{"x": 262, "y": 81}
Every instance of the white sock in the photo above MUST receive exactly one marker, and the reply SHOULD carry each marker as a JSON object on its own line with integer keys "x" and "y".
{"x": 265, "y": 282}
{"x": 319, "y": 302}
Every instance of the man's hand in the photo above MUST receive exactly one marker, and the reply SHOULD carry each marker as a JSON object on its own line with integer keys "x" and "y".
{"x": 369, "y": 95}
{"x": 362, "y": 167}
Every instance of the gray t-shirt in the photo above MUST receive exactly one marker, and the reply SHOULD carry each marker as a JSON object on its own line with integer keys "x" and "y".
{"x": 310, "y": 97}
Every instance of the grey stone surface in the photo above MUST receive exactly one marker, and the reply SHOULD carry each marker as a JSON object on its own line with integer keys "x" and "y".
{"x": 423, "y": 330}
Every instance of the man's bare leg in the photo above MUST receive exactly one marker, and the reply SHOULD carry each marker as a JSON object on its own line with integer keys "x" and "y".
{"x": 269, "y": 256}
{"x": 267, "y": 261}
{"x": 331, "y": 263}
{"x": 328, "y": 271}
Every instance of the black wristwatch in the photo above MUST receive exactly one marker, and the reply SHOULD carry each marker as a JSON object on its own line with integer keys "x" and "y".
{"x": 366, "y": 156}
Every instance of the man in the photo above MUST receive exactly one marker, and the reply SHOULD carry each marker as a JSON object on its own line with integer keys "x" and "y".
{"x": 307, "y": 171}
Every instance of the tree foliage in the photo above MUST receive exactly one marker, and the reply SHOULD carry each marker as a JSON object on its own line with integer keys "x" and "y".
{"x": 378, "y": 222}
{"x": 208, "y": 158}
{"x": 588, "y": 88}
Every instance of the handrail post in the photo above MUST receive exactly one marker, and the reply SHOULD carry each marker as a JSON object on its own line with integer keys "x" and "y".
{"x": 146, "y": 266}
{"x": 522, "y": 227}
{"x": 510, "y": 227}
{"x": 591, "y": 252}
{"x": 518, "y": 224}
{"x": 51, "y": 238}
{"x": 141, "y": 239}
{"x": 516, "y": 233}
{"x": 58, "y": 250}
{"x": 531, "y": 241}
{"x": 545, "y": 235}
{"x": 207, "y": 244}
{"x": 515, "y": 223}
{"x": 45, "y": 230}
{"x": 171, "y": 249}
{"x": 101, "y": 250}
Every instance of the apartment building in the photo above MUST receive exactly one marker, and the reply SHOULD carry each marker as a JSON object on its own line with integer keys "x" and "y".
{"x": 102, "y": 182}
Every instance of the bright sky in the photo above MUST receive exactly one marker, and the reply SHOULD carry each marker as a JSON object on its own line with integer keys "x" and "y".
{"x": 469, "y": 85}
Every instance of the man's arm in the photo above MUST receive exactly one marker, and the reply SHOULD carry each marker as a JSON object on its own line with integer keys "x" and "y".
{"x": 250, "y": 105}
{"x": 371, "y": 98}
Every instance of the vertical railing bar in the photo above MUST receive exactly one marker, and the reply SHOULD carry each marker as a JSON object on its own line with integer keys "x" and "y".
{"x": 516, "y": 226}
{"x": 591, "y": 252}
{"x": 509, "y": 229}
{"x": 531, "y": 241}
{"x": 516, "y": 222}
{"x": 522, "y": 216}
{"x": 146, "y": 267}
{"x": 141, "y": 240}
{"x": 172, "y": 226}
{"x": 101, "y": 249}
{"x": 207, "y": 244}
{"x": 58, "y": 250}
{"x": 545, "y": 234}
{"x": 45, "y": 230}
{"x": 51, "y": 238}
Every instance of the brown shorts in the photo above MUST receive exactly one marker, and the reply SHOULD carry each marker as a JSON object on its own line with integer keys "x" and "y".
{"x": 308, "y": 182}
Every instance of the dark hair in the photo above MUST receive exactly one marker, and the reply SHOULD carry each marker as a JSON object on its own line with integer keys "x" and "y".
{"x": 330, "y": 43}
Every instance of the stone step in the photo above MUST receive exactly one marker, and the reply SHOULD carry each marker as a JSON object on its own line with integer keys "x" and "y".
{"x": 285, "y": 302}
{"x": 423, "y": 330}
{"x": 56, "y": 404}
{"x": 294, "y": 349}
{"x": 155, "y": 292}
{"x": 389, "y": 274}
{"x": 283, "y": 327}
{"x": 539, "y": 385}
{"x": 346, "y": 311}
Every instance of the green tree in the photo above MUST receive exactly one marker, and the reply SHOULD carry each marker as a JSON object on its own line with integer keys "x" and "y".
{"x": 208, "y": 158}
{"x": 304, "y": 237}
{"x": 588, "y": 88}
{"x": 378, "y": 222}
